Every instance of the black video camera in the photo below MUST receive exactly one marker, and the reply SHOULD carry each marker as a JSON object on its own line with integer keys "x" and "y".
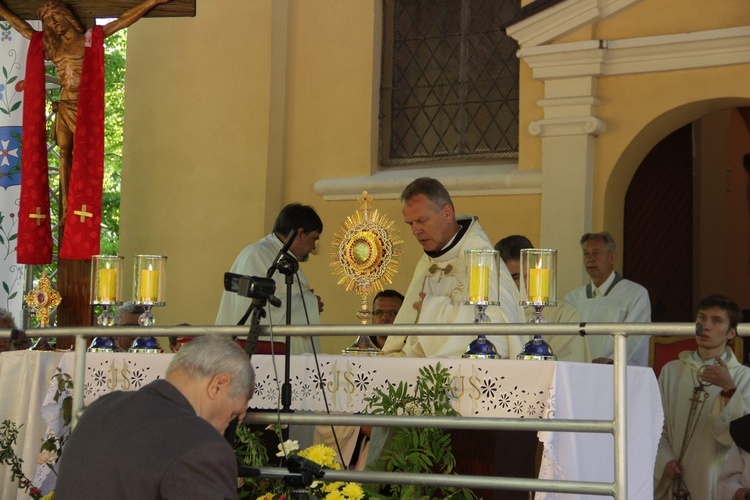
{"x": 249, "y": 286}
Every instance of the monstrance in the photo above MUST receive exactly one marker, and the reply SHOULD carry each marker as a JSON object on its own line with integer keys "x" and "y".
{"x": 364, "y": 252}
{"x": 42, "y": 300}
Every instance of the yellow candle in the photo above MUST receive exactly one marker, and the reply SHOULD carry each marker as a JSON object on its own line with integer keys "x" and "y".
{"x": 107, "y": 285}
{"x": 479, "y": 284}
{"x": 148, "y": 286}
{"x": 538, "y": 285}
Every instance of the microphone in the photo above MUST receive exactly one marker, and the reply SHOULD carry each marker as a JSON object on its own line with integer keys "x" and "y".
{"x": 698, "y": 328}
{"x": 283, "y": 252}
{"x": 16, "y": 334}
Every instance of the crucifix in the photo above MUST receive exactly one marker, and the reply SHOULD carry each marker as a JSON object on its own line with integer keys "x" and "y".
{"x": 64, "y": 43}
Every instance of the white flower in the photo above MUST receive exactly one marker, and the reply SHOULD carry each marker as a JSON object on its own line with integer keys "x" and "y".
{"x": 287, "y": 447}
{"x": 46, "y": 457}
{"x": 5, "y": 153}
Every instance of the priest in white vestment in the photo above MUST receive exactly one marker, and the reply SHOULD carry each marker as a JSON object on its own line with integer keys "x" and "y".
{"x": 702, "y": 429}
{"x": 610, "y": 298}
{"x": 436, "y": 292}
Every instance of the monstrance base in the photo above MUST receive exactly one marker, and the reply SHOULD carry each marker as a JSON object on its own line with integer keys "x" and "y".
{"x": 146, "y": 345}
{"x": 363, "y": 346}
{"x": 103, "y": 344}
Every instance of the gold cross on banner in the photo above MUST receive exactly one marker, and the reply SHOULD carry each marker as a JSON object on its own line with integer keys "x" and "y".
{"x": 83, "y": 213}
{"x": 38, "y": 216}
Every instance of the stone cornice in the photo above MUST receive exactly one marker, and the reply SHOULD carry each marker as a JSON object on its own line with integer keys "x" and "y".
{"x": 683, "y": 51}
{"x": 564, "y": 18}
{"x": 467, "y": 180}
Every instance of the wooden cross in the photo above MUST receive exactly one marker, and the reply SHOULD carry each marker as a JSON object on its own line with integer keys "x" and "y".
{"x": 38, "y": 216}
{"x": 89, "y": 9}
{"x": 83, "y": 213}
{"x": 74, "y": 275}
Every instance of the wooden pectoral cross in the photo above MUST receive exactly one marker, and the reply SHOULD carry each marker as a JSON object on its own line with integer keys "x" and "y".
{"x": 90, "y": 9}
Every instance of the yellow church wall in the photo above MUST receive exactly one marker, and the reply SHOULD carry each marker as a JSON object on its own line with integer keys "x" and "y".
{"x": 209, "y": 160}
{"x": 194, "y": 173}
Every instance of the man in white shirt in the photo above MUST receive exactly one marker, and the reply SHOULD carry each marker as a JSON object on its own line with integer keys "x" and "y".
{"x": 609, "y": 298}
{"x": 257, "y": 259}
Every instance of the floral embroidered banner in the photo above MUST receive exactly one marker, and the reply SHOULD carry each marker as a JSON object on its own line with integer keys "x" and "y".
{"x": 13, "y": 49}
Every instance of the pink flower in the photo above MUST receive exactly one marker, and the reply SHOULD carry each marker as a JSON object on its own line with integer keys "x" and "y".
{"x": 46, "y": 457}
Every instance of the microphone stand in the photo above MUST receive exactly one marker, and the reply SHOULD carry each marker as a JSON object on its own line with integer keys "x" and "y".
{"x": 288, "y": 266}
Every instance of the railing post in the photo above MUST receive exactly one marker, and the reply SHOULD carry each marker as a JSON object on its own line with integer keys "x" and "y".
{"x": 621, "y": 415}
{"x": 79, "y": 379}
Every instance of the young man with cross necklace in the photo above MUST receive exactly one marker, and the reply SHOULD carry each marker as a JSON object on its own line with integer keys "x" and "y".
{"x": 702, "y": 392}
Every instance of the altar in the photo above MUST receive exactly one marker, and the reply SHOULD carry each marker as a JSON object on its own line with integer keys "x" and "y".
{"x": 486, "y": 388}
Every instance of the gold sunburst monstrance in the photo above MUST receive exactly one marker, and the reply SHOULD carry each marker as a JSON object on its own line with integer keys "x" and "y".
{"x": 364, "y": 256}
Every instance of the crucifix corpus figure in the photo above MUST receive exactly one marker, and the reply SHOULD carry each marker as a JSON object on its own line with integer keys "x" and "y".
{"x": 64, "y": 45}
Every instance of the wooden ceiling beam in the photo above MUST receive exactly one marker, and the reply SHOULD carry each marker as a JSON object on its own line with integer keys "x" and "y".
{"x": 90, "y": 9}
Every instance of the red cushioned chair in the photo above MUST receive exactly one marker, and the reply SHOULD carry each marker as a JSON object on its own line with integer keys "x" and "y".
{"x": 662, "y": 350}
{"x": 264, "y": 346}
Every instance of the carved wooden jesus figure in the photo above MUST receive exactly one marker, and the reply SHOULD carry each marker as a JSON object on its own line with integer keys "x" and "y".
{"x": 64, "y": 45}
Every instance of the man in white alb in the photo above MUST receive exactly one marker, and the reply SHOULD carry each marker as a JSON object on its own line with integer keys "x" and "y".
{"x": 256, "y": 259}
{"x": 610, "y": 298}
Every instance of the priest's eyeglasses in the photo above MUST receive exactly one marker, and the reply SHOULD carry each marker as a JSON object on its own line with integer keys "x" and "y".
{"x": 382, "y": 312}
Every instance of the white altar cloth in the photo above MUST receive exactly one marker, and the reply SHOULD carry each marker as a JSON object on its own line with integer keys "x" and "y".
{"x": 24, "y": 380}
{"x": 487, "y": 388}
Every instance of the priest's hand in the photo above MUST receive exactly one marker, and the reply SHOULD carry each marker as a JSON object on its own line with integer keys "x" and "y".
{"x": 673, "y": 469}
{"x": 718, "y": 375}
{"x": 418, "y": 305}
{"x": 320, "y": 301}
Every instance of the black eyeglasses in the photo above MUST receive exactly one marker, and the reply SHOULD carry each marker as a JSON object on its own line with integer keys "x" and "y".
{"x": 381, "y": 312}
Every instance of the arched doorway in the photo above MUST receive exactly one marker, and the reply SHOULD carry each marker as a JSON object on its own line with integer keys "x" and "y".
{"x": 687, "y": 216}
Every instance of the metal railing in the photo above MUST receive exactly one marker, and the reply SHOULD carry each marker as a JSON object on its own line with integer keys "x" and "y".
{"x": 616, "y": 426}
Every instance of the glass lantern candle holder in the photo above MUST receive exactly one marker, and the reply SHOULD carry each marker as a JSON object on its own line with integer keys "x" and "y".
{"x": 149, "y": 290}
{"x": 106, "y": 291}
{"x": 538, "y": 290}
{"x": 539, "y": 277}
{"x": 149, "y": 280}
{"x": 482, "y": 290}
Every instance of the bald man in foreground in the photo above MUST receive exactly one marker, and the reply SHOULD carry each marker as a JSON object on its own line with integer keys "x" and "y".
{"x": 164, "y": 441}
